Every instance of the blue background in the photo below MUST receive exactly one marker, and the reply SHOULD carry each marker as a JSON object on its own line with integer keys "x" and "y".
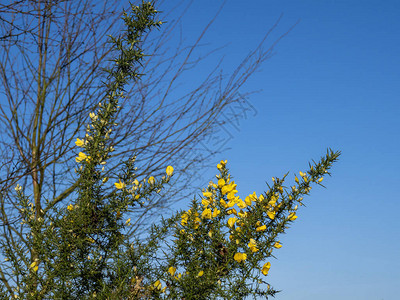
{"x": 333, "y": 82}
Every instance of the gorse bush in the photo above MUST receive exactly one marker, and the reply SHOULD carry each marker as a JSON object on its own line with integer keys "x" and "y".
{"x": 221, "y": 247}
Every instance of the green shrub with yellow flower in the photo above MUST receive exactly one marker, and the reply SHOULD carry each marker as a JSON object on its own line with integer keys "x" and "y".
{"x": 221, "y": 247}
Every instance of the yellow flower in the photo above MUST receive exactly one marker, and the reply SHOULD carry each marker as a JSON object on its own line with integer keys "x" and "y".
{"x": 70, "y": 207}
{"x": 221, "y": 164}
{"x": 223, "y": 203}
{"x": 232, "y": 221}
{"x": 151, "y": 180}
{"x": 292, "y": 216}
{"x": 34, "y": 264}
{"x": 221, "y": 182}
{"x": 216, "y": 212}
{"x": 261, "y": 198}
{"x": 248, "y": 201}
{"x": 242, "y": 214}
{"x": 197, "y": 223}
{"x": 239, "y": 257}
{"x": 253, "y": 245}
{"x": 184, "y": 218}
{"x": 322, "y": 178}
{"x": 172, "y": 270}
{"x": 81, "y": 156}
{"x": 271, "y": 214}
{"x": 157, "y": 285}
{"x": 277, "y": 245}
{"x": 265, "y": 268}
{"x": 231, "y": 211}
{"x": 169, "y": 170}
{"x": 261, "y": 228}
{"x": 296, "y": 179}
{"x": 230, "y": 204}
{"x": 79, "y": 142}
{"x": 127, "y": 222}
{"x": 302, "y": 174}
{"x": 205, "y": 202}
{"x": 241, "y": 204}
{"x": 120, "y": 185}
{"x": 201, "y": 273}
{"x": 207, "y": 194}
{"x": 206, "y": 214}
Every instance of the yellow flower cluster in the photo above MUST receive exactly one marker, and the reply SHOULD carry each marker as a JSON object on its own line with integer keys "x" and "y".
{"x": 82, "y": 157}
{"x": 185, "y": 218}
{"x": 220, "y": 199}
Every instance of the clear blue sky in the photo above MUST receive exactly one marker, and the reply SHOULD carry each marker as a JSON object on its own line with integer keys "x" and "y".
{"x": 334, "y": 82}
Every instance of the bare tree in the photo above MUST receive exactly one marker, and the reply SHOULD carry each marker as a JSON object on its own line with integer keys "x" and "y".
{"x": 51, "y": 66}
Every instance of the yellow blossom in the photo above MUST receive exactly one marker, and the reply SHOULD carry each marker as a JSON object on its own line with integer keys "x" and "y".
{"x": 127, "y": 222}
{"x": 151, "y": 180}
{"x": 169, "y": 170}
{"x": 277, "y": 245}
{"x": 248, "y": 201}
{"x": 197, "y": 222}
{"x": 241, "y": 204}
{"x": 232, "y": 221}
{"x": 232, "y": 211}
{"x": 320, "y": 180}
{"x": 221, "y": 164}
{"x": 206, "y": 214}
{"x": 271, "y": 214}
{"x": 292, "y": 216}
{"x": 201, "y": 273}
{"x": 79, "y": 142}
{"x": 261, "y": 228}
{"x": 70, "y": 207}
{"x": 253, "y": 245}
{"x": 120, "y": 185}
{"x": 157, "y": 285}
{"x": 216, "y": 212}
{"x": 230, "y": 204}
{"x": 207, "y": 194}
{"x": 239, "y": 257}
{"x": 223, "y": 203}
{"x": 242, "y": 214}
{"x": 172, "y": 270}
{"x": 81, "y": 156}
{"x": 231, "y": 195}
{"x": 184, "y": 218}
{"x": 265, "y": 268}
{"x": 261, "y": 198}
{"x": 205, "y": 202}
{"x": 221, "y": 182}
{"x": 34, "y": 266}
{"x": 296, "y": 179}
